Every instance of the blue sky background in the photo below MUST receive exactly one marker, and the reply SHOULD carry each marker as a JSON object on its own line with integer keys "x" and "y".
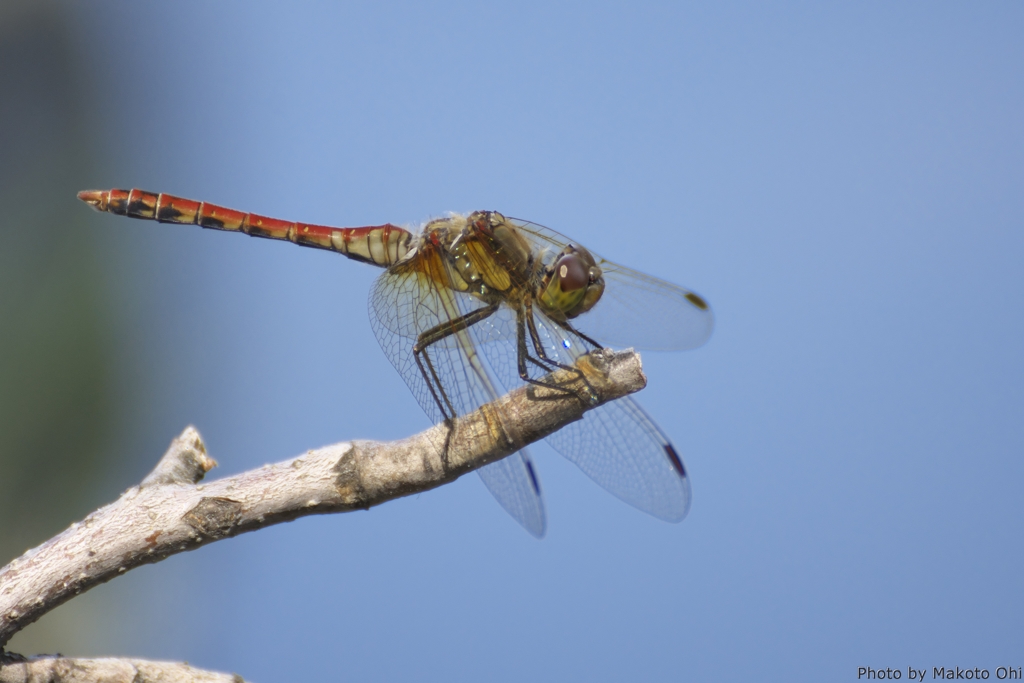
{"x": 844, "y": 186}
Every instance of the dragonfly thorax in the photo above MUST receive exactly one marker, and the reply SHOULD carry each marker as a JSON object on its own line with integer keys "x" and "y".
{"x": 485, "y": 255}
{"x": 563, "y": 284}
{"x": 489, "y": 257}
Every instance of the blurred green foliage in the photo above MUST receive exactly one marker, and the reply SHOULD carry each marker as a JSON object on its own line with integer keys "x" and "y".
{"x": 56, "y": 405}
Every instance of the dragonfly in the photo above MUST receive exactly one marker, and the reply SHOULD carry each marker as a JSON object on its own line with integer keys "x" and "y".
{"x": 473, "y": 304}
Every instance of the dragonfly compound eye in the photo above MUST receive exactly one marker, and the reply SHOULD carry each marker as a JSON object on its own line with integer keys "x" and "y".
{"x": 572, "y": 284}
{"x": 595, "y": 288}
{"x": 572, "y": 273}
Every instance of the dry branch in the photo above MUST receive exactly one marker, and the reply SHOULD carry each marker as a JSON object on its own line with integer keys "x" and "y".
{"x": 171, "y": 512}
{"x": 57, "y": 669}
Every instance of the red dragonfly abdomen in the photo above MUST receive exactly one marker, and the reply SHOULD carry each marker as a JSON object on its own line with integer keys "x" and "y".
{"x": 381, "y": 245}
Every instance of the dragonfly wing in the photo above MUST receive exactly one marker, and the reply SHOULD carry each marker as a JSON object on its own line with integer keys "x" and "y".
{"x": 405, "y": 303}
{"x": 636, "y": 309}
{"x": 646, "y": 313}
{"x": 623, "y": 450}
{"x": 513, "y": 482}
{"x": 616, "y": 444}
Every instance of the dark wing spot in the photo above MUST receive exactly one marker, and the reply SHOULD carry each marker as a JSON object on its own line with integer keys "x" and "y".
{"x": 697, "y": 301}
{"x": 533, "y": 475}
{"x": 673, "y": 458}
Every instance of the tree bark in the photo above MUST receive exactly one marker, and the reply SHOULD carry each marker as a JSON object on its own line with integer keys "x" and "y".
{"x": 171, "y": 511}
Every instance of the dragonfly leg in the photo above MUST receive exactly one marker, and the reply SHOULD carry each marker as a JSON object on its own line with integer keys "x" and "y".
{"x": 434, "y": 335}
{"x": 524, "y": 319}
{"x": 570, "y": 328}
{"x": 447, "y": 415}
{"x": 539, "y": 347}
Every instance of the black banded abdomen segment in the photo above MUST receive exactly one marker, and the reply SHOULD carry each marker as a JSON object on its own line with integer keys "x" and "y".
{"x": 176, "y": 210}
{"x": 381, "y": 245}
{"x": 141, "y": 204}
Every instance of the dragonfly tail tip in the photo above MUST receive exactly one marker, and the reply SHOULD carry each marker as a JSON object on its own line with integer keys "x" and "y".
{"x": 94, "y": 198}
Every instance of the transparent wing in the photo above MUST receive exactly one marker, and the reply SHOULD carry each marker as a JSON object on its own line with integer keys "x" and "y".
{"x": 616, "y": 444}
{"x": 647, "y": 313}
{"x": 405, "y": 303}
{"x": 636, "y": 309}
{"x": 514, "y": 485}
{"x": 625, "y": 452}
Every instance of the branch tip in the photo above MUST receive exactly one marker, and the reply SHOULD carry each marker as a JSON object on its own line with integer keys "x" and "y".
{"x": 168, "y": 514}
{"x": 185, "y": 462}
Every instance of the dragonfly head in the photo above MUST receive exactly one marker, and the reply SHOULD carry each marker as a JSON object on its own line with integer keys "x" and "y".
{"x": 571, "y": 284}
